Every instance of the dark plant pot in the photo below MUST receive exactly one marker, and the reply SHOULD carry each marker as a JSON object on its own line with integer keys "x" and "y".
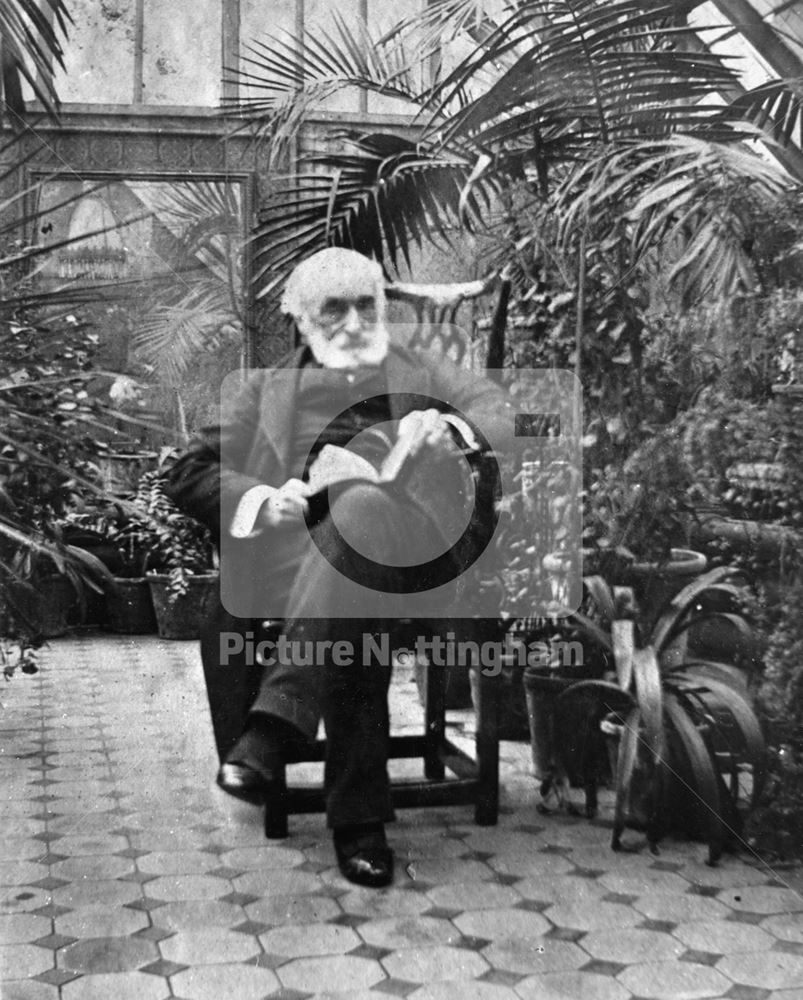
{"x": 655, "y": 584}
{"x": 540, "y": 693}
{"x": 129, "y": 607}
{"x": 57, "y": 600}
{"x": 183, "y": 618}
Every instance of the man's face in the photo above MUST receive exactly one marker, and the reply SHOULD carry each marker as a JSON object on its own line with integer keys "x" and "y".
{"x": 344, "y": 325}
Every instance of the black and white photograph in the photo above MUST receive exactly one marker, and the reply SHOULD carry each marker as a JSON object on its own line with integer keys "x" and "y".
{"x": 401, "y": 533}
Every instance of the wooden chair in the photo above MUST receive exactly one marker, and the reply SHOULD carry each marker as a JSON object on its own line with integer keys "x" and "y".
{"x": 450, "y": 775}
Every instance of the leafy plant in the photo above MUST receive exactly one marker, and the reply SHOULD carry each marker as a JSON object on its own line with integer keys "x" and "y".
{"x": 639, "y": 511}
{"x": 51, "y": 424}
{"x": 111, "y": 527}
{"x": 781, "y": 691}
{"x": 175, "y": 543}
{"x": 198, "y": 309}
{"x": 691, "y": 748}
{"x": 18, "y": 654}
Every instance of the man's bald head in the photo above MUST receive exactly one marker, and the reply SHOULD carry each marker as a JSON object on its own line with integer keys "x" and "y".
{"x": 334, "y": 273}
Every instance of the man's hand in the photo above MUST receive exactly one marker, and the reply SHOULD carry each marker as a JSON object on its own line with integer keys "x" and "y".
{"x": 286, "y": 507}
{"x": 424, "y": 429}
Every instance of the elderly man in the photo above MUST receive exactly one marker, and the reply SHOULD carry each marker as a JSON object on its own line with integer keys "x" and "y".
{"x": 249, "y": 479}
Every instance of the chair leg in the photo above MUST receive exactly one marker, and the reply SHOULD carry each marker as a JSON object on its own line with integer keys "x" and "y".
{"x": 434, "y": 722}
{"x": 275, "y": 801}
{"x": 486, "y": 809}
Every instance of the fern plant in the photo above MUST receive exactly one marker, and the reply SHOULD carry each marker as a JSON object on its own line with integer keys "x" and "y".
{"x": 175, "y": 544}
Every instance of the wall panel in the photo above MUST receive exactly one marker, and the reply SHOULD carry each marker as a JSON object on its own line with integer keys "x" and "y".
{"x": 100, "y": 53}
{"x": 181, "y": 63}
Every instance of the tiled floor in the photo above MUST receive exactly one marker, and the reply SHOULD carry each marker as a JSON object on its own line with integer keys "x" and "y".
{"x": 124, "y": 873}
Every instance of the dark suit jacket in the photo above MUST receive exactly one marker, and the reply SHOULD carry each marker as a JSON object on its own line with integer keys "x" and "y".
{"x": 255, "y": 440}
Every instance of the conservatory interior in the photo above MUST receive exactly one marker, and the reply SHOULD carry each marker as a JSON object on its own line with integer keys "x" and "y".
{"x": 600, "y": 204}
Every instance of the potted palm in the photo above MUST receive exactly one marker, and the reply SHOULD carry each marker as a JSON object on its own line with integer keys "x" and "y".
{"x": 121, "y": 542}
{"x": 637, "y": 519}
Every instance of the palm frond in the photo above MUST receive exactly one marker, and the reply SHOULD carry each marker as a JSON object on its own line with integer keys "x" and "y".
{"x": 625, "y": 771}
{"x": 287, "y": 77}
{"x": 776, "y": 107}
{"x": 746, "y": 740}
{"x": 707, "y": 584}
{"x": 171, "y": 334}
{"x": 31, "y": 40}
{"x": 601, "y": 67}
{"x": 694, "y": 770}
{"x": 380, "y": 195}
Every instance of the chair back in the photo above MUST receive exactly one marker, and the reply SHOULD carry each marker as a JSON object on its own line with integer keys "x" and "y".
{"x": 436, "y": 307}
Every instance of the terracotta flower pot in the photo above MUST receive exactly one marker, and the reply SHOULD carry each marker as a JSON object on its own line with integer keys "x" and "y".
{"x": 183, "y": 617}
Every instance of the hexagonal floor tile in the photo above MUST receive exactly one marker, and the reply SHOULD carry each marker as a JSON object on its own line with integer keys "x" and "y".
{"x": 536, "y": 863}
{"x": 678, "y": 909}
{"x": 571, "y": 986}
{"x": 309, "y": 940}
{"x": 446, "y": 870}
{"x": 763, "y": 899}
{"x": 339, "y": 972}
{"x": 18, "y": 928}
{"x": 209, "y": 946}
{"x": 278, "y": 882}
{"x": 107, "y": 954}
{"x": 19, "y": 961}
{"x": 428, "y": 965}
{"x": 246, "y": 858}
{"x": 630, "y": 945}
{"x": 120, "y": 985}
{"x": 29, "y": 989}
{"x": 384, "y": 903}
{"x": 502, "y": 924}
{"x": 456, "y": 990}
{"x": 528, "y": 956}
{"x": 674, "y": 981}
{"x": 175, "y": 888}
{"x": 408, "y": 932}
{"x": 101, "y": 921}
{"x": 785, "y": 927}
{"x": 723, "y": 937}
{"x": 103, "y": 892}
{"x": 288, "y": 909}
{"x": 591, "y": 915}
{"x": 474, "y": 896}
{"x": 772, "y": 970}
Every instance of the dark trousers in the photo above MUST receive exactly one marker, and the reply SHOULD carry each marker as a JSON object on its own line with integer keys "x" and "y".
{"x": 350, "y": 691}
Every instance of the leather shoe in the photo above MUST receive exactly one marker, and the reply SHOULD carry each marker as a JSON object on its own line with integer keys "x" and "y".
{"x": 365, "y": 858}
{"x": 244, "y": 782}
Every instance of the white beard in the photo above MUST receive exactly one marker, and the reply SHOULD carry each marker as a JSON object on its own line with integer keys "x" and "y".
{"x": 344, "y": 351}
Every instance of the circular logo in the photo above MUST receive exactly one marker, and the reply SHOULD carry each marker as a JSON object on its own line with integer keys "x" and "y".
{"x": 463, "y": 553}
